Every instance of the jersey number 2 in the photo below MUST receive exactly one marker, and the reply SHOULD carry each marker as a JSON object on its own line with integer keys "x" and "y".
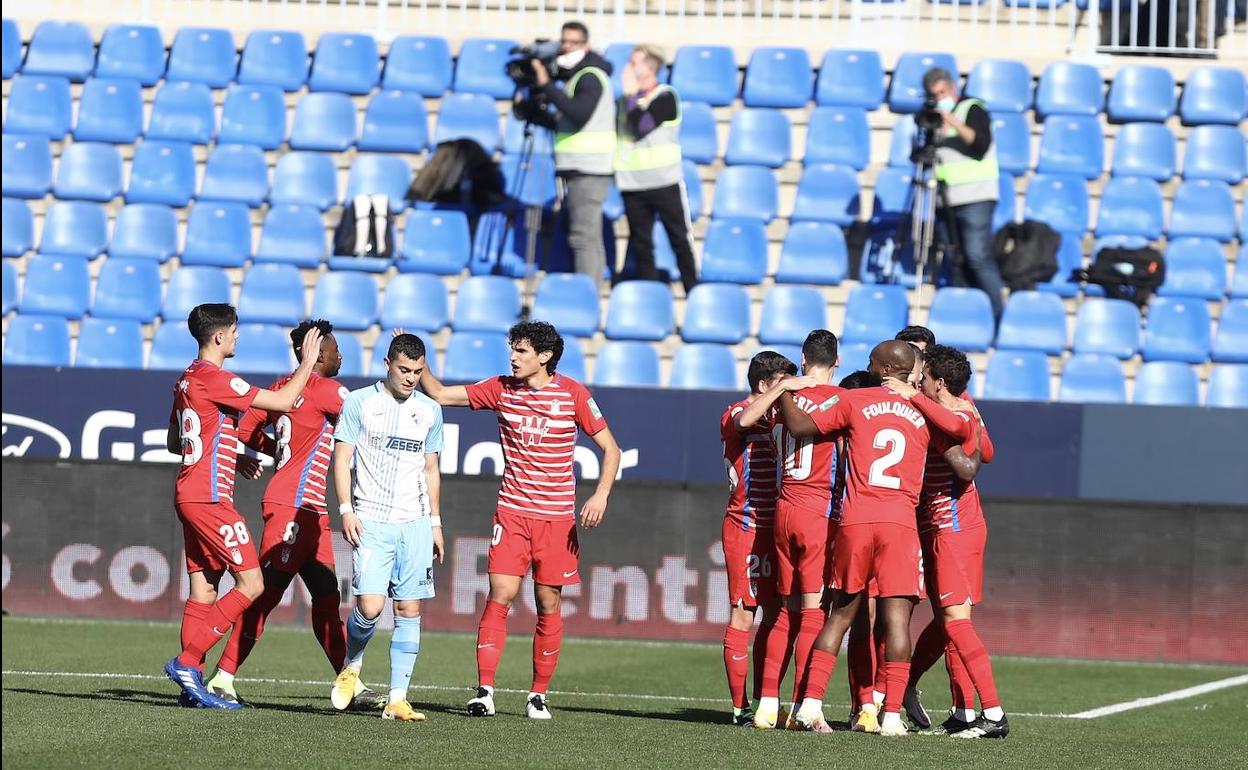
{"x": 895, "y": 442}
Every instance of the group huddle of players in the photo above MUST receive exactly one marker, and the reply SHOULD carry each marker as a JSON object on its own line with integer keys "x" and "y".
{"x": 849, "y": 504}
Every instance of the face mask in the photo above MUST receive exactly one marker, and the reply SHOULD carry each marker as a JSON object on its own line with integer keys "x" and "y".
{"x": 570, "y": 59}
{"x": 946, "y": 104}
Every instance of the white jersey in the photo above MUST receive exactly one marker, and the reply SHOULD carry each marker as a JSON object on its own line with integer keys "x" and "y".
{"x": 391, "y": 439}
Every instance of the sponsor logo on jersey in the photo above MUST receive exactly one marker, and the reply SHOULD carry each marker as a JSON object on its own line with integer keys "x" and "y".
{"x": 401, "y": 444}
{"x": 831, "y": 402}
{"x": 594, "y": 410}
{"x": 239, "y": 386}
{"x": 532, "y": 429}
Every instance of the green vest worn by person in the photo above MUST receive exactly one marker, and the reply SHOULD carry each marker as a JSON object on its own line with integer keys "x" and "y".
{"x": 653, "y": 161}
{"x": 589, "y": 149}
{"x": 967, "y": 180}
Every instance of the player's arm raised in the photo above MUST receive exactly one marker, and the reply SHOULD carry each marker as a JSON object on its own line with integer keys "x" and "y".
{"x": 797, "y": 422}
{"x": 752, "y": 414}
{"x": 945, "y": 420}
{"x": 446, "y": 395}
{"x": 283, "y": 400}
{"x": 596, "y": 506}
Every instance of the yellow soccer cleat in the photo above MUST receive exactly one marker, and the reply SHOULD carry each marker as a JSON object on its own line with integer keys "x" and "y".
{"x": 344, "y": 688}
{"x": 868, "y": 720}
{"x": 402, "y": 712}
{"x": 767, "y": 719}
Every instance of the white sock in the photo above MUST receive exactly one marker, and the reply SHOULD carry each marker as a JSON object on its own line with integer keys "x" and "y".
{"x": 966, "y": 715}
{"x": 891, "y": 719}
{"x": 873, "y": 706}
{"x": 355, "y": 665}
{"x": 225, "y": 677}
{"x": 996, "y": 713}
{"x": 878, "y": 697}
{"x": 811, "y": 705}
{"x": 529, "y": 697}
{"x": 489, "y": 689}
{"x": 398, "y": 694}
{"x": 768, "y": 704}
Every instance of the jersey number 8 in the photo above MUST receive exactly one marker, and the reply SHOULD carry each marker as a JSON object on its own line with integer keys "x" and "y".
{"x": 189, "y": 427}
{"x": 283, "y": 429}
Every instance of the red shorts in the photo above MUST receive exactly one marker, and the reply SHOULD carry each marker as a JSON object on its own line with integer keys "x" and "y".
{"x": 550, "y": 545}
{"x": 801, "y": 549}
{"x": 293, "y": 537}
{"x": 887, "y": 552}
{"x": 749, "y": 557}
{"x": 216, "y": 538}
{"x": 954, "y": 565}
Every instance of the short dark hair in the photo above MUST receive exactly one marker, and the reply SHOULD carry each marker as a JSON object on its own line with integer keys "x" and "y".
{"x": 542, "y": 336}
{"x": 936, "y": 75}
{"x": 206, "y": 319}
{"x": 299, "y": 332}
{"x": 951, "y": 365}
{"x": 577, "y": 26}
{"x": 860, "y": 379}
{"x": 407, "y": 345}
{"x": 917, "y": 334}
{"x": 820, "y": 348}
{"x": 765, "y": 365}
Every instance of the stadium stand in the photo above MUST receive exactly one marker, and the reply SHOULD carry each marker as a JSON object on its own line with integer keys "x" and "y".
{"x": 778, "y": 77}
{"x": 89, "y": 171}
{"x": 272, "y": 294}
{"x": 183, "y": 112}
{"x": 109, "y": 110}
{"x": 145, "y": 231}
{"x": 716, "y": 312}
{"x": 255, "y": 114}
{"x": 704, "y": 366}
{"x": 473, "y": 356}
{"x": 1017, "y": 375}
{"x": 1093, "y": 379}
{"x": 625, "y": 364}
{"x": 110, "y": 343}
{"x": 346, "y": 62}
{"x": 1166, "y": 383}
{"x": 203, "y": 55}
{"x": 19, "y": 227}
{"x": 569, "y": 301}
{"x": 39, "y": 105}
{"x": 480, "y": 68}
{"x": 418, "y": 64}
{"x": 74, "y": 228}
{"x": 56, "y": 285}
{"x": 38, "y": 340}
{"x": 416, "y": 302}
{"x": 274, "y": 58}
{"x": 129, "y": 289}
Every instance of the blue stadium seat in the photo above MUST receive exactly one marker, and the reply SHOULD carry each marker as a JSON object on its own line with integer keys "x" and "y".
{"x": 1228, "y": 385}
{"x": 395, "y": 122}
{"x": 191, "y": 286}
{"x": 760, "y": 137}
{"x": 1203, "y": 208}
{"x": 570, "y": 302}
{"x": 1243, "y": 225}
{"x": 12, "y": 50}
{"x": 1144, "y": 149}
{"x": 537, "y": 178}
{"x": 1141, "y": 92}
{"x": 901, "y": 142}
{"x": 640, "y": 310}
{"x": 1231, "y": 342}
{"x": 1072, "y": 144}
{"x": 27, "y": 165}
{"x": 905, "y": 92}
{"x": 324, "y": 121}
{"x": 891, "y": 200}
{"x": 693, "y": 189}
{"x": 254, "y": 115}
{"x": 371, "y": 174}
{"x": 473, "y": 356}
{"x": 415, "y": 301}
{"x": 572, "y": 362}
{"x": 838, "y": 135}
{"x": 162, "y": 172}
{"x": 778, "y": 77}
{"x": 183, "y": 112}
{"x": 486, "y": 303}
{"x": 62, "y": 48}
{"x": 1033, "y": 320}
{"x": 468, "y": 116}
{"x": 746, "y": 192}
{"x": 1130, "y": 206}
{"x": 305, "y": 178}
{"x": 813, "y": 252}
{"x": 203, "y": 55}
{"x": 1004, "y": 85}
{"x": 10, "y": 284}
{"x": 855, "y": 356}
{"x": 1067, "y": 88}
{"x": 704, "y": 366}
{"x": 272, "y": 294}
{"x": 734, "y": 251}
{"x": 699, "y": 139}
{"x": 236, "y": 172}
{"x": 128, "y": 288}
{"x": 347, "y": 300}
{"x": 74, "y": 228}
{"x": 56, "y": 285}
{"x": 293, "y": 234}
{"x": 705, "y": 73}
{"x": 274, "y": 57}
{"x": 145, "y": 231}
{"x": 173, "y": 347}
{"x": 435, "y": 242}
{"x": 1058, "y": 200}
{"x": 625, "y": 364}
{"x": 1213, "y": 95}
{"x": 1215, "y": 152}
{"x": 352, "y": 353}
{"x": 377, "y": 361}
{"x": 874, "y": 313}
{"x": 263, "y": 349}
{"x": 716, "y": 312}
{"x": 1195, "y": 267}
{"x": 218, "y": 233}
{"x": 851, "y": 79}
{"x": 962, "y": 318}
{"x": 1239, "y": 280}
{"x": 498, "y": 248}
{"x": 346, "y": 62}
{"x": 1093, "y": 379}
{"x": 613, "y": 206}
{"x": 88, "y": 171}
{"x": 1166, "y": 383}
{"x": 827, "y": 193}
{"x": 480, "y": 67}
{"x": 1007, "y": 201}
{"x": 19, "y": 227}
{"x": 109, "y": 110}
{"x": 419, "y": 64}
{"x": 37, "y": 340}
{"x": 39, "y": 105}
{"x": 1178, "y": 330}
{"x": 1069, "y": 259}
{"x": 1108, "y": 327}
{"x": 1017, "y": 375}
{"x": 513, "y": 137}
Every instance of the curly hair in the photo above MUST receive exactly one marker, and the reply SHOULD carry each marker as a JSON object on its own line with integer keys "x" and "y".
{"x": 299, "y": 332}
{"x": 542, "y": 336}
{"x": 951, "y": 365}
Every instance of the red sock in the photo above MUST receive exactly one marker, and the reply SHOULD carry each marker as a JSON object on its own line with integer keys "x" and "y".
{"x": 975, "y": 657}
{"x": 737, "y": 663}
{"x": 491, "y": 639}
{"x": 818, "y": 673}
{"x": 193, "y": 615}
{"x": 216, "y": 625}
{"x": 776, "y": 655}
{"x": 881, "y": 681}
{"x": 546, "y": 644}
{"x": 248, "y": 629}
{"x": 896, "y": 673}
{"x": 811, "y": 624}
{"x": 927, "y": 650}
{"x": 961, "y": 688}
{"x": 861, "y": 666}
{"x": 760, "y": 654}
{"x": 329, "y": 629}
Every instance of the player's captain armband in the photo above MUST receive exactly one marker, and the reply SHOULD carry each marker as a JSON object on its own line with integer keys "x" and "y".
{"x": 239, "y": 386}
{"x": 831, "y": 402}
{"x": 594, "y": 410}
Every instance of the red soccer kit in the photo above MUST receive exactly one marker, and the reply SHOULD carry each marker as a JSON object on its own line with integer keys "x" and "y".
{"x": 296, "y": 524}
{"x": 804, "y": 512}
{"x": 535, "y": 522}
{"x": 750, "y": 460}
{"x": 207, "y": 404}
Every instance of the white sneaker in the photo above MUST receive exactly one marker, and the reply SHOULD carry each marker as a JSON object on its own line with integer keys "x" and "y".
{"x": 536, "y": 707}
{"x": 483, "y": 704}
{"x": 891, "y": 725}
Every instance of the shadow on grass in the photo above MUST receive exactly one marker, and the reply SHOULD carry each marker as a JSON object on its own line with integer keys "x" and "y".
{"x": 163, "y": 700}
{"x": 692, "y": 715}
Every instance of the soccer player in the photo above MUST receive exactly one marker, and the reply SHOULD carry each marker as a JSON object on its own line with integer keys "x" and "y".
{"x": 749, "y": 545}
{"x": 919, "y": 336}
{"x": 390, "y": 516}
{"x": 539, "y": 413}
{"x": 208, "y": 402}
{"x": 297, "y": 539}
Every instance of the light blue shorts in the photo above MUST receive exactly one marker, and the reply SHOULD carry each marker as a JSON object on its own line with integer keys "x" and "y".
{"x": 394, "y": 560}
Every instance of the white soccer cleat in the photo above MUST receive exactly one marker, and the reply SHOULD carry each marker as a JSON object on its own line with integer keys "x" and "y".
{"x": 482, "y": 705}
{"x": 536, "y": 707}
{"x": 809, "y": 717}
{"x": 891, "y": 725}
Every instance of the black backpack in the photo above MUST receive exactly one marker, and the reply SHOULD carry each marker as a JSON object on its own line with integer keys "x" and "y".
{"x": 1130, "y": 274}
{"x": 1026, "y": 253}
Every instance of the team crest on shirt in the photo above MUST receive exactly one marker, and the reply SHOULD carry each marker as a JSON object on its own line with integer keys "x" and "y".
{"x": 239, "y": 386}
{"x": 285, "y": 555}
{"x": 237, "y": 555}
{"x": 532, "y": 429}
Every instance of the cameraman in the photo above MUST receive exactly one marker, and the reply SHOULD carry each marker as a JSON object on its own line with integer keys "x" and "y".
{"x": 584, "y": 126}
{"x": 967, "y": 171}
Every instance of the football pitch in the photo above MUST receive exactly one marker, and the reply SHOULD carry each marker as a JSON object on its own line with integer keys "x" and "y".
{"x": 84, "y": 693}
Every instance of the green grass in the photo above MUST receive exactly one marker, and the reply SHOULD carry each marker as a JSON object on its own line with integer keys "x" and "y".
{"x": 600, "y": 718}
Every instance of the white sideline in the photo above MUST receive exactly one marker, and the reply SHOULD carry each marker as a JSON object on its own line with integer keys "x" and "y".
{"x": 1139, "y": 703}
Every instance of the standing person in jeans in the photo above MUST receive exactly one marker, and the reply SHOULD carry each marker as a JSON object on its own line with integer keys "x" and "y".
{"x": 648, "y": 166}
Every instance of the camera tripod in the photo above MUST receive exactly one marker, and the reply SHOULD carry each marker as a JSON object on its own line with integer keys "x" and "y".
{"x": 526, "y": 188}
{"x": 925, "y": 194}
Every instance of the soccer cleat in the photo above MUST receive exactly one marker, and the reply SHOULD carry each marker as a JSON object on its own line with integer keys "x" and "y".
{"x": 914, "y": 708}
{"x": 225, "y": 690}
{"x": 892, "y": 726}
{"x": 986, "y": 728}
{"x": 482, "y": 705}
{"x": 951, "y": 726}
{"x": 809, "y": 719}
{"x": 185, "y": 701}
{"x": 767, "y": 719}
{"x": 343, "y": 691}
{"x": 191, "y": 680}
{"x": 536, "y": 707}
{"x": 743, "y": 717}
{"x": 367, "y": 700}
{"x": 402, "y": 712}
{"x": 868, "y": 719}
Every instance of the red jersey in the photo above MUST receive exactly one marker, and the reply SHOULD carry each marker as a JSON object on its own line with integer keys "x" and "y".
{"x": 948, "y": 503}
{"x": 750, "y": 460}
{"x": 207, "y": 404}
{"x": 305, "y": 442}
{"x": 809, "y": 464}
{"x": 537, "y": 429}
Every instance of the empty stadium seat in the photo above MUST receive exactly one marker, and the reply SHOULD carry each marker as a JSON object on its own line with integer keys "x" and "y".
{"x": 1195, "y": 267}
{"x": 855, "y": 356}
{"x": 760, "y": 137}
{"x": 1178, "y": 329}
{"x": 255, "y": 115}
{"x": 203, "y": 55}
{"x": 902, "y": 142}
{"x": 272, "y": 294}
{"x": 236, "y": 172}
{"x": 218, "y": 233}
{"x": 109, "y": 110}
{"x": 419, "y": 64}
{"x": 1203, "y": 208}
{"x": 1067, "y": 88}
{"x": 838, "y": 135}
{"x": 468, "y": 116}
{"x": 734, "y": 251}
{"x": 1228, "y": 385}
{"x": 1215, "y": 152}
{"x": 191, "y": 286}
{"x": 56, "y": 285}
{"x": 777, "y": 77}
{"x": 308, "y": 178}
{"x": 37, "y": 340}
{"x": 874, "y": 313}
{"x": 162, "y": 172}
{"x": 891, "y": 199}
{"x": 962, "y": 318}
{"x": 473, "y": 356}
{"x": 10, "y": 284}
{"x": 1072, "y": 144}
{"x": 27, "y": 163}
{"x": 377, "y": 361}
{"x": 128, "y": 288}
{"x": 74, "y": 228}
{"x": 395, "y": 122}
{"x": 480, "y": 68}
{"x": 1239, "y": 281}
{"x": 746, "y": 192}
{"x": 1214, "y": 95}
{"x": 1058, "y": 200}
{"x": 19, "y": 227}
{"x": 1004, "y": 85}
{"x": 415, "y": 301}
{"x": 62, "y": 48}
{"x": 1130, "y": 206}
{"x": 716, "y": 312}
{"x": 1007, "y": 202}
{"x": 570, "y": 302}
{"x": 1069, "y": 259}
{"x": 1144, "y": 149}
{"x": 1011, "y": 138}
{"x": 827, "y": 193}
{"x": 1231, "y": 342}
{"x": 625, "y": 364}
{"x": 640, "y": 310}
{"x": 1107, "y": 327}
{"x": 1166, "y": 383}
{"x": 693, "y": 189}
{"x": 274, "y": 57}
{"x": 572, "y": 362}
{"x": 905, "y": 92}
{"x": 346, "y": 62}
{"x": 704, "y": 366}
{"x": 293, "y": 234}
{"x": 173, "y": 347}
{"x": 1017, "y": 375}
{"x": 543, "y": 138}
{"x": 850, "y": 78}
{"x": 435, "y": 242}
{"x": 813, "y": 252}
{"x": 705, "y": 73}
{"x": 145, "y": 231}
{"x": 1141, "y": 92}
{"x": 532, "y": 183}
{"x": 11, "y": 61}
{"x": 324, "y": 121}
{"x": 1093, "y": 379}
{"x": 347, "y": 300}
{"x": 89, "y": 171}
{"x": 352, "y": 354}
{"x": 1033, "y": 320}
{"x": 183, "y": 112}
{"x": 262, "y": 349}
{"x": 39, "y": 105}
{"x": 486, "y": 303}
{"x": 387, "y": 174}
